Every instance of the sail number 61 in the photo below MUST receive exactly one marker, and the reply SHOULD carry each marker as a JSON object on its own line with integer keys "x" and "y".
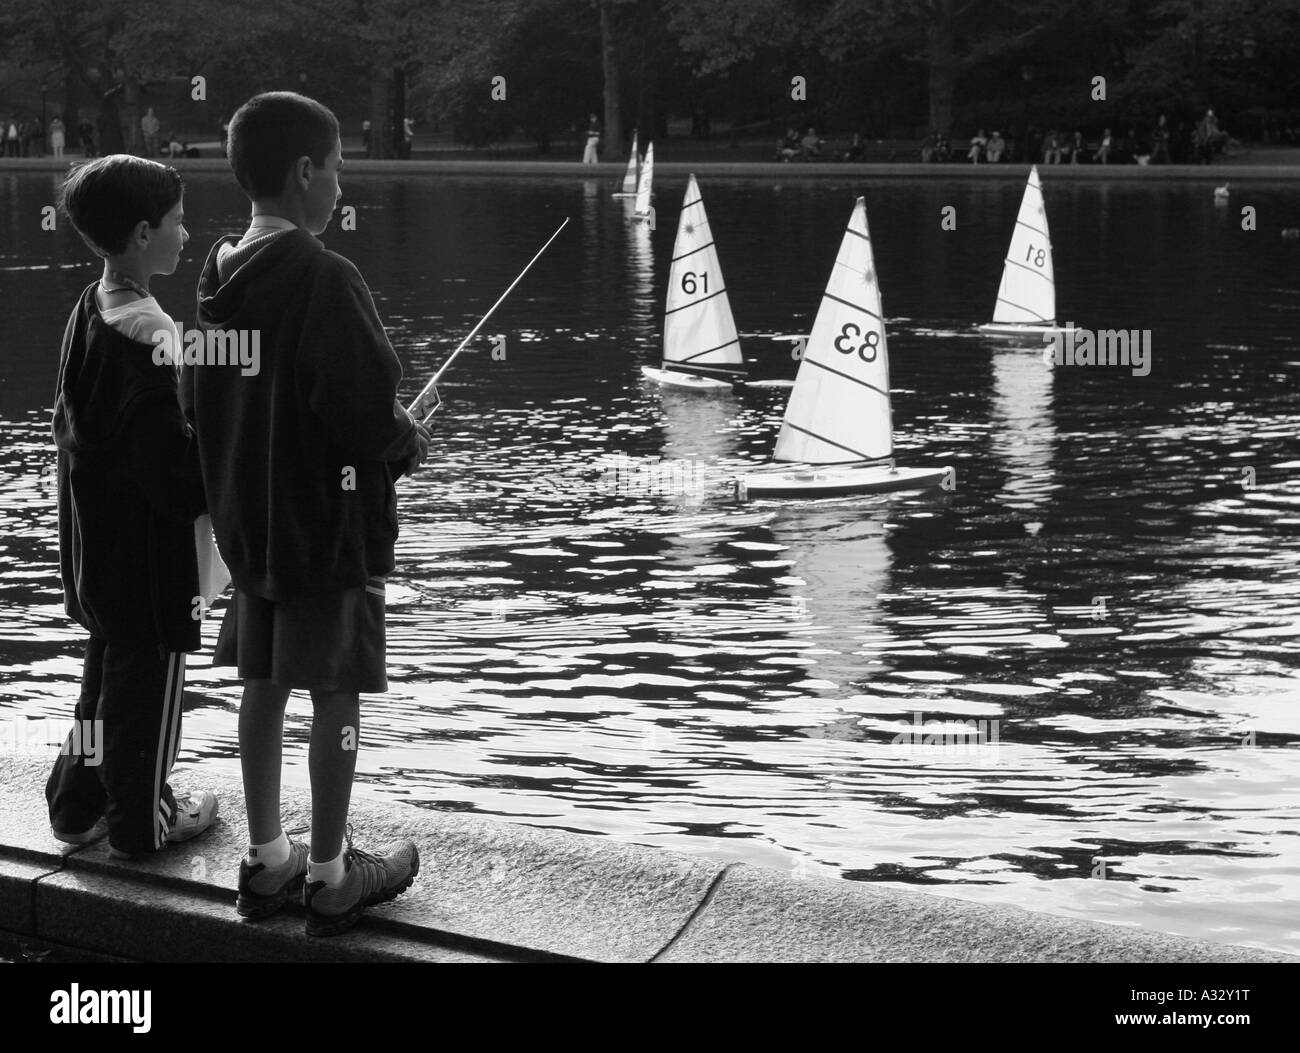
{"x": 871, "y": 343}
{"x": 688, "y": 282}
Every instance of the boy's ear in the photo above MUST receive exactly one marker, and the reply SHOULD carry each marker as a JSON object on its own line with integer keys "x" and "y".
{"x": 140, "y": 232}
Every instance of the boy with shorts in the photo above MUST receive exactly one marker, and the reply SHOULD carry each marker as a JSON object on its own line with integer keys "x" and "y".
{"x": 129, "y": 490}
{"x": 300, "y": 450}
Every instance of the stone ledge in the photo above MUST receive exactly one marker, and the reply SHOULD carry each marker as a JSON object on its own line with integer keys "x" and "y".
{"x": 491, "y": 891}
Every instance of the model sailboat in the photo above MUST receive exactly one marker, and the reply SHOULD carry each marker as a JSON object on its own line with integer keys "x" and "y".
{"x": 1026, "y": 307}
{"x": 632, "y": 175}
{"x": 838, "y": 435}
{"x": 642, "y": 212}
{"x": 701, "y": 345}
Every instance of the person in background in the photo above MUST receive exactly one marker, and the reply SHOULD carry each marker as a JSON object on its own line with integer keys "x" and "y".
{"x": 590, "y": 152}
{"x": 1160, "y": 142}
{"x": 1051, "y": 148}
{"x": 365, "y": 137}
{"x": 149, "y": 128}
{"x": 1104, "y": 150}
{"x": 57, "y": 137}
{"x": 1077, "y": 148}
{"x": 996, "y": 148}
{"x": 788, "y": 148}
{"x": 856, "y": 150}
{"x": 87, "y": 132}
{"x": 977, "y": 144}
{"x": 11, "y": 137}
{"x": 1208, "y": 139}
{"x": 810, "y": 146}
{"x": 408, "y": 137}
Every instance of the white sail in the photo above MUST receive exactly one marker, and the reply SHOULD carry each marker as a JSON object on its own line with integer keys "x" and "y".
{"x": 630, "y": 176}
{"x": 644, "y": 184}
{"x": 839, "y": 409}
{"x": 1027, "y": 294}
{"x": 699, "y": 330}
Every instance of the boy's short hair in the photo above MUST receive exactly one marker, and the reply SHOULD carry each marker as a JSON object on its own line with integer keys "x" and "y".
{"x": 270, "y": 132}
{"x": 108, "y": 197}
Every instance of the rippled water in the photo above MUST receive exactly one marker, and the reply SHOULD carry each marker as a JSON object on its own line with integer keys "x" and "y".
{"x": 587, "y": 631}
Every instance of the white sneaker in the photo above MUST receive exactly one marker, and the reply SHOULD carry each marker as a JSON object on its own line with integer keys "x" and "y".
{"x": 195, "y": 812}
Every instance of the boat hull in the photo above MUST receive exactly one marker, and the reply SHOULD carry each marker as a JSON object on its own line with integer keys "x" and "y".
{"x": 837, "y": 480}
{"x": 670, "y": 378}
{"x": 1031, "y": 335}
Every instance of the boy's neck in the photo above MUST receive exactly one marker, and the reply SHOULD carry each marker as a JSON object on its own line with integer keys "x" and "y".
{"x": 277, "y": 208}
{"x": 123, "y": 271}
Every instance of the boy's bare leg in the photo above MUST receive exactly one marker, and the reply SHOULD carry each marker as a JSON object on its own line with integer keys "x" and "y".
{"x": 331, "y": 762}
{"x": 261, "y": 732}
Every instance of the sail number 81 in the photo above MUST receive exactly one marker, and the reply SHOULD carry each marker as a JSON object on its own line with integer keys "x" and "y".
{"x": 688, "y": 282}
{"x": 1036, "y": 256}
{"x": 868, "y": 348}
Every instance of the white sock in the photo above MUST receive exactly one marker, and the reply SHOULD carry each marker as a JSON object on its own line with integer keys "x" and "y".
{"x": 331, "y": 871}
{"x": 273, "y": 853}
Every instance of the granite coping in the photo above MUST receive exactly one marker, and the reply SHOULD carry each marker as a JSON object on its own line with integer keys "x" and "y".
{"x": 493, "y": 891}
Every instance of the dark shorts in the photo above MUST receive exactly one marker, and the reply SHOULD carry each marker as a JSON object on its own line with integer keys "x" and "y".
{"x": 332, "y": 642}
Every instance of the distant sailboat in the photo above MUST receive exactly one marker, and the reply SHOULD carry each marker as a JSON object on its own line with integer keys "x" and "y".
{"x": 838, "y": 434}
{"x": 645, "y": 187}
{"x": 632, "y": 175}
{"x": 701, "y": 345}
{"x": 1026, "y": 306}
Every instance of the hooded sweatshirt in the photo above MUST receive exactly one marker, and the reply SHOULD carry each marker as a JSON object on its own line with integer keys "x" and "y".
{"x": 296, "y": 447}
{"x": 129, "y": 489}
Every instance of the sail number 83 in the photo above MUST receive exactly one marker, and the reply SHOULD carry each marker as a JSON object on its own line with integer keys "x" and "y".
{"x": 867, "y": 350}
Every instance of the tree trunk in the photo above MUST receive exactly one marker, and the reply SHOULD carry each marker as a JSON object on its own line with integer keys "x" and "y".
{"x": 71, "y": 110}
{"x": 132, "y": 134}
{"x": 612, "y": 138}
{"x": 943, "y": 65}
{"x": 381, "y": 85}
{"x": 109, "y": 125}
{"x": 399, "y": 112}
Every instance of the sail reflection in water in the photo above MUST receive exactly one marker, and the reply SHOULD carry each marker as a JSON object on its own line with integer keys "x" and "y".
{"x": 640, "y": 273}
{"x": 840, "y": 568}
{"x": 1024, "y": 431}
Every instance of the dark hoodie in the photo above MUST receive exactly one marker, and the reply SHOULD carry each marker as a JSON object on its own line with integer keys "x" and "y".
{"x": 129, "y": 489}
{"x": 295, "y": 456}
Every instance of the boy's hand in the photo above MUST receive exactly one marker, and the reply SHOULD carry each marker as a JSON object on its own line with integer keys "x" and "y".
{"x": 422, "y": 440}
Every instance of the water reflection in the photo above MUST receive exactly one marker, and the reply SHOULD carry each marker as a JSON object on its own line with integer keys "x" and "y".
{"x": 653, "y": 661}
{"x": 1023, "y": 433}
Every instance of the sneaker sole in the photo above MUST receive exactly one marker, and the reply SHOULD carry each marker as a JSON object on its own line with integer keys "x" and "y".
{"x": 252, "y": 906}
{"x": 87, "y": 837}
{"x": 337, "y": 924}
